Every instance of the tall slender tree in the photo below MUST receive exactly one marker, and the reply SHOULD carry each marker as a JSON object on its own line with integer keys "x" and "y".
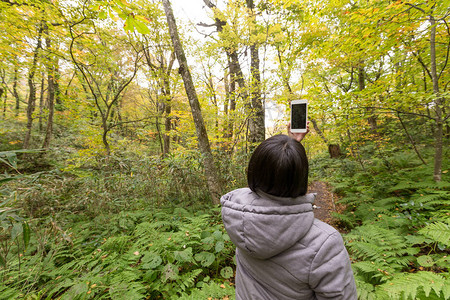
{"x": 211, "y": 174}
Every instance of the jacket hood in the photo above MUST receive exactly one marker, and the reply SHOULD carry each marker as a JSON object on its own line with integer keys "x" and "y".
{"x": 263, "y": 225}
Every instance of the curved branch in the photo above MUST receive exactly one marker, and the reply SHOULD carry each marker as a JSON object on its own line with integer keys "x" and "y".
{"x": 448, "y": 51}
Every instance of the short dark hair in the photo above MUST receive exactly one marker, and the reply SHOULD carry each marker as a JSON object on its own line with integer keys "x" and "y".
{"x": 279, "y": 167}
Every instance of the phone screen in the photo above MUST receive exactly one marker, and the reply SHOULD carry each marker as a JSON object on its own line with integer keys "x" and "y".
{"x": 298, "y": 116}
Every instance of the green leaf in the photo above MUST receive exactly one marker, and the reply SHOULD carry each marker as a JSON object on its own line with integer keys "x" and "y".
{"x": 26, "y": 234}
{"x": 12, "y": 158}
{"x": 150, "y": 276}
{"x": 16, "y": 230}
{"x": 141, "y": 27}
{"x": 217, "y": 235}
{"x": 184, "y": 256}
{"x": 8, "y": 179}
{"x": 169, "y": 272}
{"x": 102, "y": 15}
{"x": 219, "y": 246}
{"x": 205, "y": 258}
{"x": 129, "y": 24}
{"x": 226, "y": 272}
{"x": 425, "y": 261}
{"x": 2, "y": 261}
{"x": 151, "y": 260}
{"x": 438, "y": 231}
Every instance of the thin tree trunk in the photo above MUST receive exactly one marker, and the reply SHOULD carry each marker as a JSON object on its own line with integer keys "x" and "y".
{"x": 41, "y": 102}
{"x": 319, "y": 132}
{"x": 371, "y": 119}
{"x": 257, "y": 117}
{"x": 2, "y": 90}
{"x": 51, "y": 82}
{"x": 226, "y": 123}
{"x": 32, "y": 87}
{"x": 353, "y": 151}
{"x": 439, "y": 103}
{"x": 232, "y": 100}
{"x": 212, "y": 176}
{"x": 236, "y": 75}
{"x": 159, "y": 134}
{"x": 411, "y": 139}
{"x": 168, "y": 110}
{"x": 15, "y": 93}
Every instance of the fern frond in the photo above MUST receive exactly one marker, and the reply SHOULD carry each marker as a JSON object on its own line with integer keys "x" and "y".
{"x": 380, "y": 245}
{"x": 434, "y": 198}
{"x": 211, "y": 290}
{"x": 372, "y": 269}
{"x": 387, "y": 203}
{"x": 413, "y": 185}
{"x": 345, "y": 218}
{"x": 409, "y": 285}
{"x": 366, "y": 291}
{"x": 438, "y": 231}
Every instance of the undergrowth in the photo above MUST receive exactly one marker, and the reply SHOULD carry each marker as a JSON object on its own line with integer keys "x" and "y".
{"x": 166, "y": 254}
{"x": 115, "y": 228}
{"x": 398, "y": 224}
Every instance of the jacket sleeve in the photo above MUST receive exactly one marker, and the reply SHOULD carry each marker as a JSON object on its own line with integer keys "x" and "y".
{"x": 331, "y": 275}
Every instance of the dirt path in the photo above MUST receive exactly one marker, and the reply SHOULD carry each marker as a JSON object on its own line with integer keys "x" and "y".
{"x": 325, "y": 202}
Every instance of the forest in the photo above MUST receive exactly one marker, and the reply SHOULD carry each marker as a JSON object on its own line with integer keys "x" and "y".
{"x": 123, "y": 122}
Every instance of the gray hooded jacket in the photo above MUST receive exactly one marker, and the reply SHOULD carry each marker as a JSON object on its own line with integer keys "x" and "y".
{"x": 282, "y": 251}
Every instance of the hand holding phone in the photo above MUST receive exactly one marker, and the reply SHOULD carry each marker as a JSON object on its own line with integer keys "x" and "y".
{"x": 297, "y": 136}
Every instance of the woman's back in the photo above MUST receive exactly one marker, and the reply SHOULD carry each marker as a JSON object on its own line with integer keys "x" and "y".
{"x": 282, "y": 251}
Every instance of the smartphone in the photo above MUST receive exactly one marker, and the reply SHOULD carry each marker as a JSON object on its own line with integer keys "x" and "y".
{"x": 299, "y": 115}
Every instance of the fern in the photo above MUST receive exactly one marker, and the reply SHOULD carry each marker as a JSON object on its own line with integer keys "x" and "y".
{"x": 382, "y": 246}
{"x": 372, "y": 270}
{"x": 211, "y": 290}
{"x": 409, "y": 285}
{"x": 366, "y": 291}
{"x": 438, "y": 231}
{"x": 348, "y": 220}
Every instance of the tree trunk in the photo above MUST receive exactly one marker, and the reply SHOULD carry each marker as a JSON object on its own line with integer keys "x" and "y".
{"x": 257, "y": 117}
{"x": 371, "y": 119}
{"x": 52, "y": 87}
{"x": 410, "y": 139}
{"x": 227, "y": 133}
{"x": 15, "y": 93}
{"x": 159, "y": 134}
{"x": 168, "y": 110}
{"x": 236, "y": 75}
{"x": 212, "y": 176}
{"x": 105, "y": 134}
{"x": 439, "y": 103}
{"x": 2, "y": 90}
{"x": 41, "y": 102}
{"x": 32, "y": 91}
{"x": 51, "y": 106}
{"x": 161, "y": 73}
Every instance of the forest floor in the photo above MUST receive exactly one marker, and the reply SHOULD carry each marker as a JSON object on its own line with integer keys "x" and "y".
{"x": 326, "y": 203}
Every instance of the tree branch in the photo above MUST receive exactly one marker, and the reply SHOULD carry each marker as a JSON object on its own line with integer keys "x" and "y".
{"x": 448, "y": 50}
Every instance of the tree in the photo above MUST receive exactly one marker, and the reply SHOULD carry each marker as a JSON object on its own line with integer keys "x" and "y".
{"x": 159, "y": 58}
{"x": 211, "y": 174}
{"x": 105, "y": 75}
{"x": 231, "y": 40}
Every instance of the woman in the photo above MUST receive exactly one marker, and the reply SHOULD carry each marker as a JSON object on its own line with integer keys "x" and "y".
{"x": 283, "y": 252}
